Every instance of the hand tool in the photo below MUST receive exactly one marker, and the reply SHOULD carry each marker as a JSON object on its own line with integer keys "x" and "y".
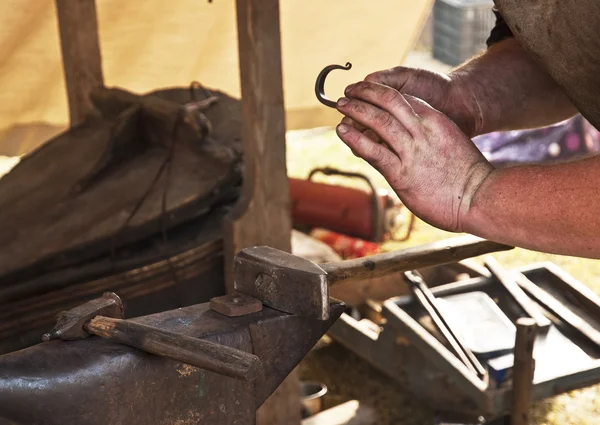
{"x": 298, "y": 286}
{"x": 507, "y": 279}
{"x": 557, "y": 309}
{"x": 429, "y": 303}
{"x": 104, "y": 317}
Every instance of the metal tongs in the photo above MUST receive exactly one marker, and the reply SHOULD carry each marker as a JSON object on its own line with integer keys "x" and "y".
{"x": 426, "y": 298}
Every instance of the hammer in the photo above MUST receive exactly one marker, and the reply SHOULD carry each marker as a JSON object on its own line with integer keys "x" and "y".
{"x": 298, "y": 286}
{"x": 104, "y": 317}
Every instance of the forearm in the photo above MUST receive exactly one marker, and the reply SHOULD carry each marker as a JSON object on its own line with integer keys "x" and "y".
{"x": 511, "y": 91}
{"x": 550, "y": 208}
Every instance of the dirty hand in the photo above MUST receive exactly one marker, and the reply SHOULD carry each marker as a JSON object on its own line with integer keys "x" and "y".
{"x": 448, "y": 94}
{"x": 431, "y": 164}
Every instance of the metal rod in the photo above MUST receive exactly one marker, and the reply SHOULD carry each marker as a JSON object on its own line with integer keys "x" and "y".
{"x": 429, "y": 302}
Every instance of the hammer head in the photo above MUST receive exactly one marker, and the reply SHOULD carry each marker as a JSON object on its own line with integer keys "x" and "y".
{"x": 70, "y": 324}
{"x": 283, "y": 281}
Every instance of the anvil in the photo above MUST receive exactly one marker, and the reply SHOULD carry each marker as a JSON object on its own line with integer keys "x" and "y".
{"x": 99, "y": 381}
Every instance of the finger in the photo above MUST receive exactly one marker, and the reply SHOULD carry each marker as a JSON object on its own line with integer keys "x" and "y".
{"x": 385, "y": 125}
{"x": 371, "y": 135}
{"x": 351, "y": 122}
{"x": 419, "y": 105}
{"x": 396, "y": 77}
{"x": 389, "y": 100}
{"x": 379, "y": 156}
{"x": 431, "y": 117}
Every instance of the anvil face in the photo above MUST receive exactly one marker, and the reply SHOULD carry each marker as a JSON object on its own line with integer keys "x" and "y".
{"x": 98, "y": 382}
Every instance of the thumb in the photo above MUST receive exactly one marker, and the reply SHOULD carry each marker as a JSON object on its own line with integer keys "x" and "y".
{"x": 395, "y": 78}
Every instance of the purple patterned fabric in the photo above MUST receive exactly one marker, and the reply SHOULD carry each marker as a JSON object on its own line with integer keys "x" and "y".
{"x": 571, "y": 138}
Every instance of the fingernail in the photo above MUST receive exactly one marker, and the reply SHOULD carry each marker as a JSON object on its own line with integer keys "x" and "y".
{"x": 349, "y": 88}
{"x": 342, "y": 101}
{"x": 342, "y": 128}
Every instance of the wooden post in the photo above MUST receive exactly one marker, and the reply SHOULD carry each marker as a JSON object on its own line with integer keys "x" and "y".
{"x": 523, "y": 369}
{"x": 262, "y": 215}
{"x": 78, "y": 28}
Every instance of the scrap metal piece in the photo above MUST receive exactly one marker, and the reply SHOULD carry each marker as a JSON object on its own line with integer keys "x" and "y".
{"x": 320, "y": 83}
{"x": 235, "y": 305}
{"x": 70, "y": 324}
{"x": 282, "y": 281}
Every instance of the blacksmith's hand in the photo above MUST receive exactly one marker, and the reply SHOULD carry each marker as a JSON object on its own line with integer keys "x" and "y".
{"x": 430, "y": 163}
{"x": 449, "y": 94}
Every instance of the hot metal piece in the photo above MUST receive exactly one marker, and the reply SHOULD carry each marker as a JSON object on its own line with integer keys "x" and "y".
{"x": 320, "y": 83}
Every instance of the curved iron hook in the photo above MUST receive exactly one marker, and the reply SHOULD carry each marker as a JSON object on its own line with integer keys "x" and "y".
{"x": 320, "y": 84}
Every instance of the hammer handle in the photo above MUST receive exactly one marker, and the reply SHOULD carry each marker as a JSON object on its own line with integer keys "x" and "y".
{"x": 436, "y": 253}
{"x": 193, "y": 351}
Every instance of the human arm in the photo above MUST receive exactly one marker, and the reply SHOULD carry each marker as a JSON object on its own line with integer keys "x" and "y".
{"x": 502, "y": 89}
{"x": 440, "y": 176}
{"x": 550, "y": 208}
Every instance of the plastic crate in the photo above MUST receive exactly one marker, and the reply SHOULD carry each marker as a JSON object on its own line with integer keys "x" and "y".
{"x": 460, "y": 29}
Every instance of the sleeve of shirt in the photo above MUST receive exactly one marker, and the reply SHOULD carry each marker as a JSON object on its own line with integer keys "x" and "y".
{"x": 500, "y": 31}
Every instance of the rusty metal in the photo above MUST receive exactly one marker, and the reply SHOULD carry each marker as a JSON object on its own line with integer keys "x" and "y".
{"x": 235, "y": 305}
{"x": 283, "y": 281}
{"x": 508, "y": 281}
{"x": 98, "y": 382}
{"x": 299, "y": 286}
{"x": 429, "y": 303}
{"x": 320, "y": 83}
{"x": 71, "y": 324}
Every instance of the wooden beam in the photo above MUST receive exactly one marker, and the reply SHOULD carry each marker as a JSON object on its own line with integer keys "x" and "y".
{"x": 82, "y": 62}
{"x": 262, "y": 215}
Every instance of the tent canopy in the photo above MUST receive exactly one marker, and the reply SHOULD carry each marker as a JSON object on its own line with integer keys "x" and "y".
{"x": 154, "y": 44}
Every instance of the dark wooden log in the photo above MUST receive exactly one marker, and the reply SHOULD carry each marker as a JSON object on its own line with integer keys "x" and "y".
{"x": 523, "y": 370}
{"x": 82, "y": 61}
{"x": 196, "y": 352}
{"x": 441, "y": 252}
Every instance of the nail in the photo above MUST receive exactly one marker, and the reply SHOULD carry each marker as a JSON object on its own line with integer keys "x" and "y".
{"x": 342, "y": 129}
{"x": 349, "y": 88}
{"x": 343, "y": 101}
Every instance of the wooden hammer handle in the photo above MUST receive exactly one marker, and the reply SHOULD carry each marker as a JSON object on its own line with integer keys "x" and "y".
{"x": 193, "y": 351}
{"x": 436, "y": 253}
